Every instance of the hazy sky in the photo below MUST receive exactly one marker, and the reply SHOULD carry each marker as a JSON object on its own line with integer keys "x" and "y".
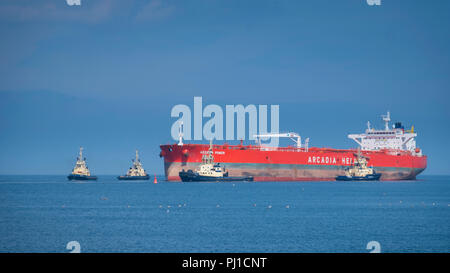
{"x": 106, "y": 74}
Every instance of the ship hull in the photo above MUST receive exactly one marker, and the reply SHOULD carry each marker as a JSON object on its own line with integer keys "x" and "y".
{"x": 81, "y": 177}
{"x": 289, "y": 163}
{"x": 369, "y": 177}
{"x": 126, "y": 177}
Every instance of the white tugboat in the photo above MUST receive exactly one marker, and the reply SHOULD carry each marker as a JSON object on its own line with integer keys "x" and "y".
{"x": 210, "y": 171}
{"x": 359, "y": 171}
{"x": 81, "y": 170}
{"x": 136, "y": 171}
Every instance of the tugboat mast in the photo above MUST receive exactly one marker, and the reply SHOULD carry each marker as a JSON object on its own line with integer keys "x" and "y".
{"x": 137, "y": 156}
{"x": 80, "y": 156}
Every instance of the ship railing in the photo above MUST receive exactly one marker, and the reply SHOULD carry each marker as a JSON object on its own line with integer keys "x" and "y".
{"x": 279, "y": 149}
{"x": 259, "y": 148}
{"x": 296, "y": 149}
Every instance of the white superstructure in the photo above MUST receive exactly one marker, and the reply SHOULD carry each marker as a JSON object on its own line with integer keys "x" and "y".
{"x": 395, "y": 138}
{"x": 136, "y": 169}
{"x": 81, "y": 166}
{"x": 209, "y": 167}
{"x": 359, "y": 167}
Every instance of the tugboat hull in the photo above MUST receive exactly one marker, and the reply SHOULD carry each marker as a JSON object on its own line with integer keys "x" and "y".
{"x": 81, "y": 177}
{"x": 190, "y": 176}
{"x": 127, "y": 177}
{"x": 369, "y": 177}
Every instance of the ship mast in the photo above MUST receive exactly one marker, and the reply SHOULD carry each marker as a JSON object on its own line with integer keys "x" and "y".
{"x": 208, "y": 158}
{"x": 386, "y": 119}
{"x": 210, "y": 152}
{"x": 180, "y": 134}
{"x": 80, "y": 157}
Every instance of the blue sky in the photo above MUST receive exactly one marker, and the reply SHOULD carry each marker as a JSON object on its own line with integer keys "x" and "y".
{"x": 106, "y": 74}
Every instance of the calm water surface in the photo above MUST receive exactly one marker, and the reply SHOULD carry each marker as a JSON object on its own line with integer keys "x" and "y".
{"x": 44, "y": 213}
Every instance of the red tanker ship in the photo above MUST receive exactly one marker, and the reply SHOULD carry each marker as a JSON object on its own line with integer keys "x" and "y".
{"x": 391, "y": 152}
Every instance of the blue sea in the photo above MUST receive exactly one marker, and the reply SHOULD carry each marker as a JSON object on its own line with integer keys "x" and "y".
{"x": 45, "y": 213}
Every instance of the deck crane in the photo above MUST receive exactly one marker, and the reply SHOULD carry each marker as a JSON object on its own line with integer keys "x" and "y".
{"x": 293, "y": 136}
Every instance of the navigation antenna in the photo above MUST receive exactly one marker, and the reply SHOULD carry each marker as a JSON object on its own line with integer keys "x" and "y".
{"x": 81, "y": 153}
{"x": 386, "y": 119}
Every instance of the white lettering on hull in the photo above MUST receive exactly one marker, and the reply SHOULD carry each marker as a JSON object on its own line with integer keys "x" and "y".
{"x": 215, "y": 152}
{"x": 329, "y": 160}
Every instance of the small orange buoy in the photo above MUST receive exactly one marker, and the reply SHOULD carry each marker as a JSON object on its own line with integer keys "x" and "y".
{"x": 155, "y": 181}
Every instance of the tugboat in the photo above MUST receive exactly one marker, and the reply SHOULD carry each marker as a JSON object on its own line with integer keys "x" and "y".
{"x": 209, "y": 171}
{"x": 81, "y": 170}
{"x": 136, "y": 172}
{"x": 359, "y": 171}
